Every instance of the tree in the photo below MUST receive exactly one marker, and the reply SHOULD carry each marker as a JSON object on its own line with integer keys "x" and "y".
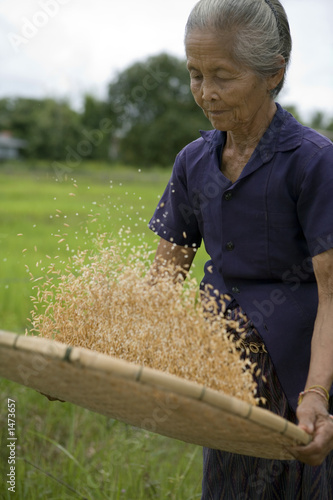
{"x": 48, "y": 126}
{"x": 96, "y": 126}
{"x": 153, "y": 111}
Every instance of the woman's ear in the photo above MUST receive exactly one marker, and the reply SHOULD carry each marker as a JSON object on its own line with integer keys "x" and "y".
{"x": 274, "y": 80}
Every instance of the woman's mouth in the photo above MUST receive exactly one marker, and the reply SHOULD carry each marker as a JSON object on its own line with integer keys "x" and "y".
{"x": 217, "y": 112}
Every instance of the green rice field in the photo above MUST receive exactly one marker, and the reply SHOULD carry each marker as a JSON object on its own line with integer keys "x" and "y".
{"x": 66, "y": 452}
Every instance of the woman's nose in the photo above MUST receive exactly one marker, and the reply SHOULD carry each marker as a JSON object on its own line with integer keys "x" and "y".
{"x": 209, "y": 91}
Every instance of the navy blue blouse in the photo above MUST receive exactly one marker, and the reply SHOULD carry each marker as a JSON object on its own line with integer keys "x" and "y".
{"x": 260, "y": 232}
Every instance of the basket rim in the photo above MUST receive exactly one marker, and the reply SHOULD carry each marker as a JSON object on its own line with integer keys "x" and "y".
{"x": 84, "y": 358}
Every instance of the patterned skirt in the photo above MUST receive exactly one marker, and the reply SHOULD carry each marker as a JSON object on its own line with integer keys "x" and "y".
{"x": 229, "y": 476}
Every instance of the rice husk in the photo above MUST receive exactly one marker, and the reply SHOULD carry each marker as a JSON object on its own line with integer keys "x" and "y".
{"x": 122, "y": 306}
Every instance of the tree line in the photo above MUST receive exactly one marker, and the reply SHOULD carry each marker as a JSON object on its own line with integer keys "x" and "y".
{"x": 149, "y": 115}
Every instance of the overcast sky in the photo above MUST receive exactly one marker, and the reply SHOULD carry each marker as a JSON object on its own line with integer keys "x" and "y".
{"x": 65, "y": 48}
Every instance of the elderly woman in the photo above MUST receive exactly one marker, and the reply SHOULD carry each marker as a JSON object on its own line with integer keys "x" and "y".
{"x": 258, "y": 190}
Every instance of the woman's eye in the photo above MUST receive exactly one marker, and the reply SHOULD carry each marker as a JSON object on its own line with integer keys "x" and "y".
{"x": 224, "y": 78}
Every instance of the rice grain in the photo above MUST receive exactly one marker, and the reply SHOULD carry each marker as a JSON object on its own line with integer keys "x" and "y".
{"x": 122, "y": 306}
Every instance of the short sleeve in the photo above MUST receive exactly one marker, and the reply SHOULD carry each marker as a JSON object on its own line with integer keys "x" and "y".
{"x": 174, "y": 218}
{"x": 315, "y": 202}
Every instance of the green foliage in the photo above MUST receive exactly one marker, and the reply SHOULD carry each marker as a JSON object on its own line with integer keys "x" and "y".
{"x": 94, "y": 114}
{"x": 48, "y": 126}
{"x": 147, "y": 89}
{"x": 37, "y": 206}
{"x": 154, "y": 111}
{"x": 150, "y": 115}
{"x": 147, "y": 118}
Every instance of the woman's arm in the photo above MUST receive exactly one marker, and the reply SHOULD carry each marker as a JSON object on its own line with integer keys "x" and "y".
{"x": 313, "y": 413}
{"x": 179, "y": 257}
{"x": 321, "y": 366}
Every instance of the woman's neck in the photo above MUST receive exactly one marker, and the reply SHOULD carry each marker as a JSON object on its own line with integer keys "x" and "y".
{"x": 243, "y": 140}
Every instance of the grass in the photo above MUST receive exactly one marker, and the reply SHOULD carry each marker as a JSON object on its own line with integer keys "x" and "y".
{"x": 66, "y": 452}
{"x": 55, "y": 223}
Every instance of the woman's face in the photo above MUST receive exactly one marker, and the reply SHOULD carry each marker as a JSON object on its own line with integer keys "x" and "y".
{"x": 231, "y": 96}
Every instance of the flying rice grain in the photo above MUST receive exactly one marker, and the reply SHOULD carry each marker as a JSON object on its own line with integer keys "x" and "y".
{"x": 124, "y": 307}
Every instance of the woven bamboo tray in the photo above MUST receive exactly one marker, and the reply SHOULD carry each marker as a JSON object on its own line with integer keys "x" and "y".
{"x": 146, "y": 398}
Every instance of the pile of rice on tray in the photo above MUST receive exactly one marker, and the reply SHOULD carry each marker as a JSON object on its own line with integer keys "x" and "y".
{"x": 109, "y": 300}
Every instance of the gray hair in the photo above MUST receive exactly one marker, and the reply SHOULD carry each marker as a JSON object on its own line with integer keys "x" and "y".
{"x": 261, "y": 29}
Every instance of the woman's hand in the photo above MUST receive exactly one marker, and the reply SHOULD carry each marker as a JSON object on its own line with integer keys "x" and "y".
{"x": 314, "y": 419}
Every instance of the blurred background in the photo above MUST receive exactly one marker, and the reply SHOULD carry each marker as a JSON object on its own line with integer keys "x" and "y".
{"x": 66, "y": 65}
{"x": 94, "y": 106}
